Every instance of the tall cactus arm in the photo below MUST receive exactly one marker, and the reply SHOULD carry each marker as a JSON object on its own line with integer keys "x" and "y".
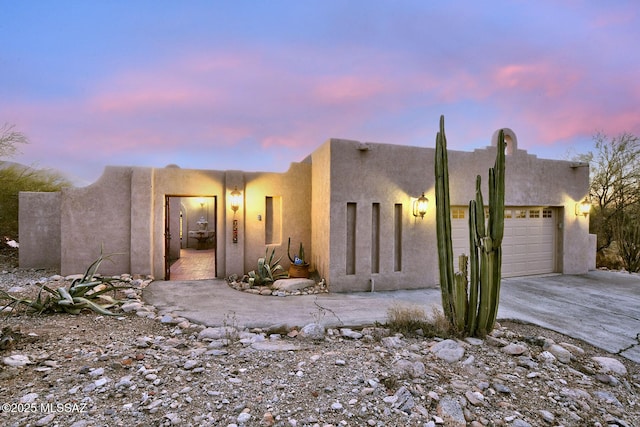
{"x": 443, "y": 223}
{"x": 497, "y": 230}
{"x": 472, "y": 321}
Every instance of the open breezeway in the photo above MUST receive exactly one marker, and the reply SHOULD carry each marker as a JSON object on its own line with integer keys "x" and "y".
{"x": 601, "y": 308}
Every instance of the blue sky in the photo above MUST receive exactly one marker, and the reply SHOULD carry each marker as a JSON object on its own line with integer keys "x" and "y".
{"x": 256, "y": 85}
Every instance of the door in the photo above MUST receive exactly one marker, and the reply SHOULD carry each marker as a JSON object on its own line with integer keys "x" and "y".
{"x": 529, "y": 243}
{"x": 167, "y": 238}
{"x": 190, "y": 238}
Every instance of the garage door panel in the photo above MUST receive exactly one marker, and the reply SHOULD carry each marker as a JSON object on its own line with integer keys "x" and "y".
{"x": 529, "y": 242}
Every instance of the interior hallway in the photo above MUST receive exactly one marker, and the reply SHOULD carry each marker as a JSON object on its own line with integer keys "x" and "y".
{"x": 194, "y": 265}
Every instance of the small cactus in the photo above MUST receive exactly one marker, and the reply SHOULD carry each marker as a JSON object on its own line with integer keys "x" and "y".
{"x": 297, "y": 259}
{"x": 471, "y": 307}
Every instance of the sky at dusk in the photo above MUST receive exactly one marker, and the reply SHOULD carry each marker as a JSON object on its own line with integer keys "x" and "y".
{"x": 256, "y": 85}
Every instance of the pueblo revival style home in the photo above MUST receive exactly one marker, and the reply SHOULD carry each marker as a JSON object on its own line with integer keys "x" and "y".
{"x": 351, "y": 204}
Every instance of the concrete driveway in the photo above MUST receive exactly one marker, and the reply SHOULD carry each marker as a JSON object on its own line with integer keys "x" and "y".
{"x": 602, "y": 308}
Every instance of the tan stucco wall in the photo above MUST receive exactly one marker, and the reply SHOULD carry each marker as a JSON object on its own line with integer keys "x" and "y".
{"x": 97, "y": 216}
{"x": 125, "y": 210}
{"x": 39, "y": 230}
{"x": 390, "y": 174}
{"x": 293, "y": 188}
{"x": 321, "y": 209}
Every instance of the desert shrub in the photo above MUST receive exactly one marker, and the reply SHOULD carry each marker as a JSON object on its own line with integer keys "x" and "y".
{"x": 89, "y": 292}
{"x": 408, "y": 319}
{"x": 269, "y": 270}
{"x": 15, "y": 178}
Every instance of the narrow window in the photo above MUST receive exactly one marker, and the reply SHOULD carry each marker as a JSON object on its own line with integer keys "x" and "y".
{"x": 397, "y": 234}
{"x": 273, "y": 220}
{"x": 375, "y": 238}
{"x": 351, "y": 238}
{"x": 458, "y": 213}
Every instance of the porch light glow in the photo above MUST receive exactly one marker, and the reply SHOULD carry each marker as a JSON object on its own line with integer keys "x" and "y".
{"x": 420, "y": 206}
{"x": 583, "y": 207}
{"x": 235, "y": 199}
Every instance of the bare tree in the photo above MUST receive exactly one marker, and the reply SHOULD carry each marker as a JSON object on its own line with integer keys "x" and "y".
{"x": 614, "y": 187}
{"x": 9, "y": 139}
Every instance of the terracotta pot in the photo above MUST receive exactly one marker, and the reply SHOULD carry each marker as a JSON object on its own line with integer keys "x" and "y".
{"x": 299, "y": 271}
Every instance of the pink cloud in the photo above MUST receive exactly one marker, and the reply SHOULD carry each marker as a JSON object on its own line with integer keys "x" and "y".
{"x": 548, "y": 78}
{"x": 348, "y": 89}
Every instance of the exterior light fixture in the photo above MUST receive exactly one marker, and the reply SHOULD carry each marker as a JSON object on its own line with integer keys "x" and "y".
{"x": 583, "y": 207}
{"x": 236, "y": 199}
{"x": 420, "y": 206}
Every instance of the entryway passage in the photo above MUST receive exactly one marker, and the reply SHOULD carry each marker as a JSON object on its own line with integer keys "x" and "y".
{"x": 194, "y": 264}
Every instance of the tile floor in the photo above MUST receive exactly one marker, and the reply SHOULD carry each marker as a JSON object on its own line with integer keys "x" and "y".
{"x": 194, "y": 265}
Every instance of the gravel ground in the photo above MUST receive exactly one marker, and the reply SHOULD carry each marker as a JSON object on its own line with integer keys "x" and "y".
{"x": 144, "y": 368}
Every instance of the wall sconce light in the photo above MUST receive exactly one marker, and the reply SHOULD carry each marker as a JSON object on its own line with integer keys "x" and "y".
{"x": 583, "y": 207}
{"x": 420, "y": 206}
{"x": 236, "y": 199}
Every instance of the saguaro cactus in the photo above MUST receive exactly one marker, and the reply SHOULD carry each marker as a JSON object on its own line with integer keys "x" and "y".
{"x": 471, "y": 306}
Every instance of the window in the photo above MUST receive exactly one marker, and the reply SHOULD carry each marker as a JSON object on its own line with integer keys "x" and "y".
{"x": 457, "y": 213}
{"x": 375, "y": 238}
{"x": 534, "y": 213}
{"x": 507, "y": 213}
{"x": 547, "y": 213}
{"x": 520, "y": 213}
{"x": 273, "y": 220}
{"x": 397, "y": 237}
{"x": 352, "y": 209}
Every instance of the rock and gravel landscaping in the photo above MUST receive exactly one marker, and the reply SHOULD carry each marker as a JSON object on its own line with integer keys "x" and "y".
{"x": 147, "y": 368}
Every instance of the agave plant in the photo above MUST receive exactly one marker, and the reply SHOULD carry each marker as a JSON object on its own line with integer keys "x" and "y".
{"x": 269, "y": 270}
{"x": 89, "y": 292}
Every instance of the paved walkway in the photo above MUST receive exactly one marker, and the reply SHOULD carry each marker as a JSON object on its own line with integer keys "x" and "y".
{"x": 602, "y": 308}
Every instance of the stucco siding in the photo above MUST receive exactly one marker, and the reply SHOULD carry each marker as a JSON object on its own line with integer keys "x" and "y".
{"x": 97, "y": 216}
{"x": 39, "y": 230}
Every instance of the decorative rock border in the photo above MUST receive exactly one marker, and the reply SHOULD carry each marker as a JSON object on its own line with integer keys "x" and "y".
{"x": 281, "y": 287}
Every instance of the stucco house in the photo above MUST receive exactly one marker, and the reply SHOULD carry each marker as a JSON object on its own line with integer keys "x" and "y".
{"x": 350, "y": 203}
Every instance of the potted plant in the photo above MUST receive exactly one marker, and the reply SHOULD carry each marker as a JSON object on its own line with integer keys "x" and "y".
{"x": 299, "y": 268}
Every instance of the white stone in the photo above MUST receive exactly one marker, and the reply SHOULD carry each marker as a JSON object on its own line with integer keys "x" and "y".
{"x": 350, "y": 333}
{"x": 293, "y": 284}
{"x": 609, "y": 364}
{"x": 29, "y": 398}
{"x": 16, "y": 360}
{"x": 274, "y": 346}
{"x": 243, "y": 418}
{"x": 514, "y": 349}
{"x": 96, "y": 372}
{"x": 448, "y": 350}
{"x": 190, "y": 364}
{"x": 314, "y": 331}
{"x": 131, "y": 306}
{"x": 217, "y": 333}
{"x": 336, "y": 406}
{"x": 546, "y": 357}
{"x": 561, "y": 353}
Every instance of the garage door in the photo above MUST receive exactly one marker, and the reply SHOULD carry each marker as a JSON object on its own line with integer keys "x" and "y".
{"x": 529, "y": 244}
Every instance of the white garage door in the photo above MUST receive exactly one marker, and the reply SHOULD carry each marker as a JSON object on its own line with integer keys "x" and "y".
{"x": 529, "y": 244}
